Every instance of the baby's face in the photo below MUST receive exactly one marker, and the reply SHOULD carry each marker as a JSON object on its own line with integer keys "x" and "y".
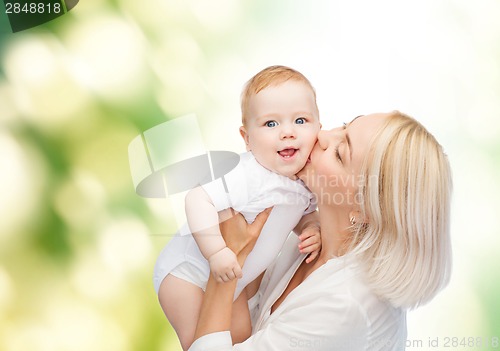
{"x": 282, "y": 127}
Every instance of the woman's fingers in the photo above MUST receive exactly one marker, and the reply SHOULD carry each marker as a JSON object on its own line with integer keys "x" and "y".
{"x": 233, "y": 229}
{"x": 260, "y": 220}
{"x": 226, "y": 214}
{"x": 240, "y": 236}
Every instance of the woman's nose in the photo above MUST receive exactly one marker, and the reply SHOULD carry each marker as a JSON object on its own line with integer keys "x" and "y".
{"x": 325, "y": 137}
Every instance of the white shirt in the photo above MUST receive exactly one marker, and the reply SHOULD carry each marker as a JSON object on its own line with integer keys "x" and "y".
{"x": 332, "y": 309}
{"x": 249, "y": 188}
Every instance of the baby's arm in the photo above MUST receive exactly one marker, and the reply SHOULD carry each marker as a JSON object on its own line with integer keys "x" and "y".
{"x": 308, "y": 230}
{"x": 203, "y": 221}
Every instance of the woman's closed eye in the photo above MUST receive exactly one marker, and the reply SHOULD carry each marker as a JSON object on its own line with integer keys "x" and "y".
{"x": 337, "y": 154}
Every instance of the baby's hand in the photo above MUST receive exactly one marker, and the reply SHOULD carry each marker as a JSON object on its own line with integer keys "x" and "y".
{"x": 310, "y": 242}
{"x": 224, "y": 265}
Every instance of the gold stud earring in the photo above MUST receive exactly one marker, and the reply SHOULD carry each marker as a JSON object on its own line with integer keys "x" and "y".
{"x": 352, "y": 220}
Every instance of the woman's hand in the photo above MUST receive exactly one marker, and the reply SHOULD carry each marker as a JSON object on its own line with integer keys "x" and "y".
{"x": 240, "y": 236}
{"x": 216, "y": 309}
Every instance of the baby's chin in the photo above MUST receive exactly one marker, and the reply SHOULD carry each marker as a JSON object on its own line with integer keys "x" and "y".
{"x": 298, "y": 172}
{"x": 301, "y": 173}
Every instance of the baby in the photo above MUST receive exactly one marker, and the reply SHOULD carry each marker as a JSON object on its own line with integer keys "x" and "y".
{"x": 280, "y": 125}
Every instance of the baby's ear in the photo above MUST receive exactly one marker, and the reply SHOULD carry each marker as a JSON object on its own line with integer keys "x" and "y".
{"x": 244, "y": 135}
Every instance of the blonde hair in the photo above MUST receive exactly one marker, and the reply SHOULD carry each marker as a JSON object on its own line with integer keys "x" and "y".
{"x": 270, "y": 76}
{"x": 406, "y": 190}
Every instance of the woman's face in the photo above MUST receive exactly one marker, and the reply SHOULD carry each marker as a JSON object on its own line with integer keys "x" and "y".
{"x": 334, "y": 171}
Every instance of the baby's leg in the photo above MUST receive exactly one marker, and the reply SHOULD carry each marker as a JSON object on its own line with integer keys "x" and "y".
{"x": 181, "y": 303}
{"x": 241, "y": 327}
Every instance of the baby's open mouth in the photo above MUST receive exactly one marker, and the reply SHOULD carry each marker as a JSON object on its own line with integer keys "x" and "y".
{"x": 287, "y": 153}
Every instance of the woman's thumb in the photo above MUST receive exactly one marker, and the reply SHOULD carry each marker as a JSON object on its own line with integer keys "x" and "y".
{"x": 261, "y": 219}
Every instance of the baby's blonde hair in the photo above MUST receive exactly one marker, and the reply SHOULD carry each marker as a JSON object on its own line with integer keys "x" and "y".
{"x": 270, "y": 76}
{"x": 405, "y": 243}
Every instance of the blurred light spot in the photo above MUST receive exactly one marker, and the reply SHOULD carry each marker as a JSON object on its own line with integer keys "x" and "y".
{"x": 104, "y": 155}
{"x": 8, "y": 109}
{"x": 170, "y": 342}
{"x": 226, "y": 78}
{"x": 480, "y": 19}
{"x": 475, "y": 185}
{"x": 80, "y": 200}
{"x": 77, "y": 327}
{"x": 124, "y": 245}
{"x": 217, "y": 15}
{"x": 161, "y": 15}
{"x": 20, "y": 188}
{"x": 27, "y": 335}
{"x": 182, "y": 92}
{"x": 91, "y": 279}
{"x": 175, "y": 63}
{"x": 109, "y": 54}
{"x": 159, "y": 207}
{"x": 433, "y": 320}
{"x": 484, "y": 107}
{"x": 42, "y": 86}
{"x": 6, "y": 291}
{"x": 176, "y": 47}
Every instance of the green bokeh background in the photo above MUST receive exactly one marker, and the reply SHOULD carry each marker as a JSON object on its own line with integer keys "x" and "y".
{"x": 77, "y": 245}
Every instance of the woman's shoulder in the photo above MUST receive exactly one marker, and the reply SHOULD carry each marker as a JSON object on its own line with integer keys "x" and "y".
{"x": 342, "y": 287}
{"x": 380, "y": 314}
{"x": 342, "y": 279}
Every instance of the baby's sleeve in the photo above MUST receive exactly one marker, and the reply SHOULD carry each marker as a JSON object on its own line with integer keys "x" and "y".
{"x": 230, "y": 190}
{"x": 313, "y": 205}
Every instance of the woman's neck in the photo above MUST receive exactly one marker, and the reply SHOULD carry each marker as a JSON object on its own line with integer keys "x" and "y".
{"x": 335, "y": 236}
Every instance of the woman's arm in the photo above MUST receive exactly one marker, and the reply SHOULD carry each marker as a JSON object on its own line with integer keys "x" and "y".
{"x": 310, "y": 319}
{"x": 215, "y": 315}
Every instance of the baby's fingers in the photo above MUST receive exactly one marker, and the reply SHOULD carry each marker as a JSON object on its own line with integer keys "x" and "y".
{"x": 237, "y": 271}
{"x": 309, "y": 245}
{"x": 308, "y": 234}
{"x": 230, "y": 275}
{"x": 218, "y": 278}
{"x": 312, "y": 256}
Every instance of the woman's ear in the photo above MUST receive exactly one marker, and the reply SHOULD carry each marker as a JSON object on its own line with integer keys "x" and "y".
{"x": 355, "y": 217}
{"x": 244, "y": 135}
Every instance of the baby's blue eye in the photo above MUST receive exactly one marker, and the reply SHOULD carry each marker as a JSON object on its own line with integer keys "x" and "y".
{"x": 300, "y": 120}
{"x": 271, "y": 124}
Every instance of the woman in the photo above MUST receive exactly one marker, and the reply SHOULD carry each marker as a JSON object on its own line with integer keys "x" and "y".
{"x": 383, "y": 186}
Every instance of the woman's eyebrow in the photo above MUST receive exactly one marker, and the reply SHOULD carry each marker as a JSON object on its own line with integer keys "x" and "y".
{"x": 353, "y": 120}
